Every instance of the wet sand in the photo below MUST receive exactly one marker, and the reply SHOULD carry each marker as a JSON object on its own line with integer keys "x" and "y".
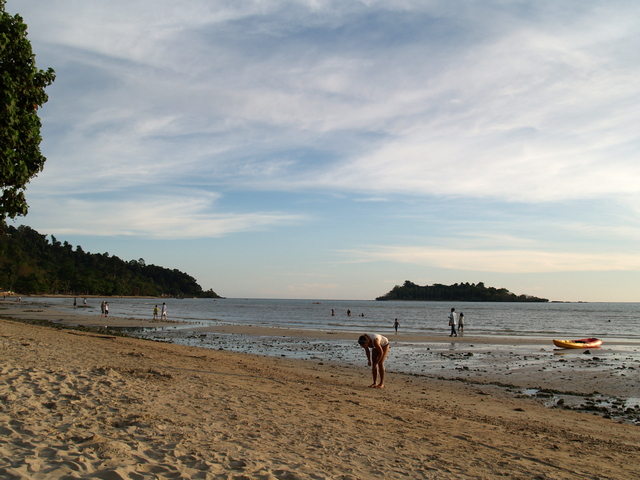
{"x": 82, "y": 404}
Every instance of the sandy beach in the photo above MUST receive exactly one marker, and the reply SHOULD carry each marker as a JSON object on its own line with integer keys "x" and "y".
{"x": 83, "y": 404}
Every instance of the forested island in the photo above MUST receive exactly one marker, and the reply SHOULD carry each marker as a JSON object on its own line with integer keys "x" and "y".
{"x": 459, "y": 292}
{"x": 30, "y": 263}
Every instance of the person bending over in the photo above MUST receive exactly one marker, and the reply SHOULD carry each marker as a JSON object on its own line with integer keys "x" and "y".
{"x": 379, "y": 346}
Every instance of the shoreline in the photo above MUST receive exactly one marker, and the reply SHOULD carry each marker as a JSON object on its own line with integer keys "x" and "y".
{"x": 94, "y": 405}
{"x": 610, "y": 324}
{"x": 526, "y": 364}
{"x": 71, "y": 316}
{"x": 76, "y": 316}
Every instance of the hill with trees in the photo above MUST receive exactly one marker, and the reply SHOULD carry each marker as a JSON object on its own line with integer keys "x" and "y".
{"x": 31, "y": 263}
{"x": 459, "y": 292}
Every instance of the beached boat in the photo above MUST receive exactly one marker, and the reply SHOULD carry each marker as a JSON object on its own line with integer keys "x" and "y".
{"x": 582, "y": 343}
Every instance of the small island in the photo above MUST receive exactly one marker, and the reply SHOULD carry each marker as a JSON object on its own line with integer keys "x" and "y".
{"x": 459, "y": 292}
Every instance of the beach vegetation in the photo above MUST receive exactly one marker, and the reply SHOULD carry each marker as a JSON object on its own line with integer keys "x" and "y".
{"x": 32, "y": 263}
{"x": 22, "y": 87}
{"x": 459, "y": 292}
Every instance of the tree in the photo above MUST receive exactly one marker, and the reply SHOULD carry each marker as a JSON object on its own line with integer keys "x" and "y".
{"x": 21, "y": 93}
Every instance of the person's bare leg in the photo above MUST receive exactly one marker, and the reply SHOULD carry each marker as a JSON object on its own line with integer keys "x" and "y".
{"x": 374, "y": 369}
{"x": 382, "y": 372}
{"x": 381, "y": 368}
{"x": 374, "y": 372}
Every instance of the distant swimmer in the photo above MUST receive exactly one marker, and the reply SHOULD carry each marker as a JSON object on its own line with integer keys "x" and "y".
{"x": 348, "y": 313}
{"x": 379, "y": 346}
{"x": 333, "y": 312}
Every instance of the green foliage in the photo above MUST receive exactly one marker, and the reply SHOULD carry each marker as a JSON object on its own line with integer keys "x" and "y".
{"x": 31, "y": 264}
{"x": 459, "y": 292}
{"x": 21, "y": 93}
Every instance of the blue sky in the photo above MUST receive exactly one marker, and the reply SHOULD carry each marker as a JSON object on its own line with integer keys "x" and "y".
{"x": 333, "y": 149}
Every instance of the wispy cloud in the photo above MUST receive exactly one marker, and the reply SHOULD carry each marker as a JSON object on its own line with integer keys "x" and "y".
{"x": 159, "y": 216}
{"x": 502, "y": 102}
{"x": 501, "y": 261}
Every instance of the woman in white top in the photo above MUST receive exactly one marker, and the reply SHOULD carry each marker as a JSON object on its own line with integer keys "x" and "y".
{"x": 379, "y": 346}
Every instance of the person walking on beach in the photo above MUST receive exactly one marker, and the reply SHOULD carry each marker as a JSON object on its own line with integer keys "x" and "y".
{"x": 452, "y": 322}
{"x": 460, "y": 323}
{"x": 106, "y": 309}
{"x": 75, "y": 303}
{"x": 379, "y": 346}
{"x": 396, "y": 324}
{"x": 164, "y": 311}
{"x": 155, "y": 313}
{"x": 102, "y": 309}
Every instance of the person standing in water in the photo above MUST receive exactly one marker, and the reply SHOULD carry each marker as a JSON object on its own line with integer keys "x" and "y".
{"x": 396, "y": 324}
{"x": 164, "y": 311}
{"x": 379, "y": 346}
{"x": 452, "y": 322}
{"x": 460, "y": 323}
{"x": 155, "y": 313}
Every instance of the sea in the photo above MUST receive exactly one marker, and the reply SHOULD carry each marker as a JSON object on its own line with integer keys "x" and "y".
{"x": 554, "y": 320}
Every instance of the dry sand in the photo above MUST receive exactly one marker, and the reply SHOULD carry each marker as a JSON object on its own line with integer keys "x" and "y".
{"x": 77, "y": 404}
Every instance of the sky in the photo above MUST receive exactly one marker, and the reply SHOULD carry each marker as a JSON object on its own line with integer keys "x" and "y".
{"x": 333, "y": 149}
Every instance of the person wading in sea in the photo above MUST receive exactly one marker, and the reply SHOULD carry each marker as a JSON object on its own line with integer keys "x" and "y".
{"x": 452, "y": 322}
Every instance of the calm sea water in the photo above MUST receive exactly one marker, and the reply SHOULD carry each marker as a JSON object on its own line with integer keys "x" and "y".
{"x": 564, "y": 320}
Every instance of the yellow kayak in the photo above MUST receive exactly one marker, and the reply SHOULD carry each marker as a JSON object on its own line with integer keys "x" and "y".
{"x": 582, "y": 343}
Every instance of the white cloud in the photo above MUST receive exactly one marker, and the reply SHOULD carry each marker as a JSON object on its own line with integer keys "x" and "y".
{"x": 160, "y": 216}
{"x": 501, "y": 261}
{"x": 487, "y": 103}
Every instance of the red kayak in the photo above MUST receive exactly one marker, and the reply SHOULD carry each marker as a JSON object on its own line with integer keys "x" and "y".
{"x": 582, "y": 343}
